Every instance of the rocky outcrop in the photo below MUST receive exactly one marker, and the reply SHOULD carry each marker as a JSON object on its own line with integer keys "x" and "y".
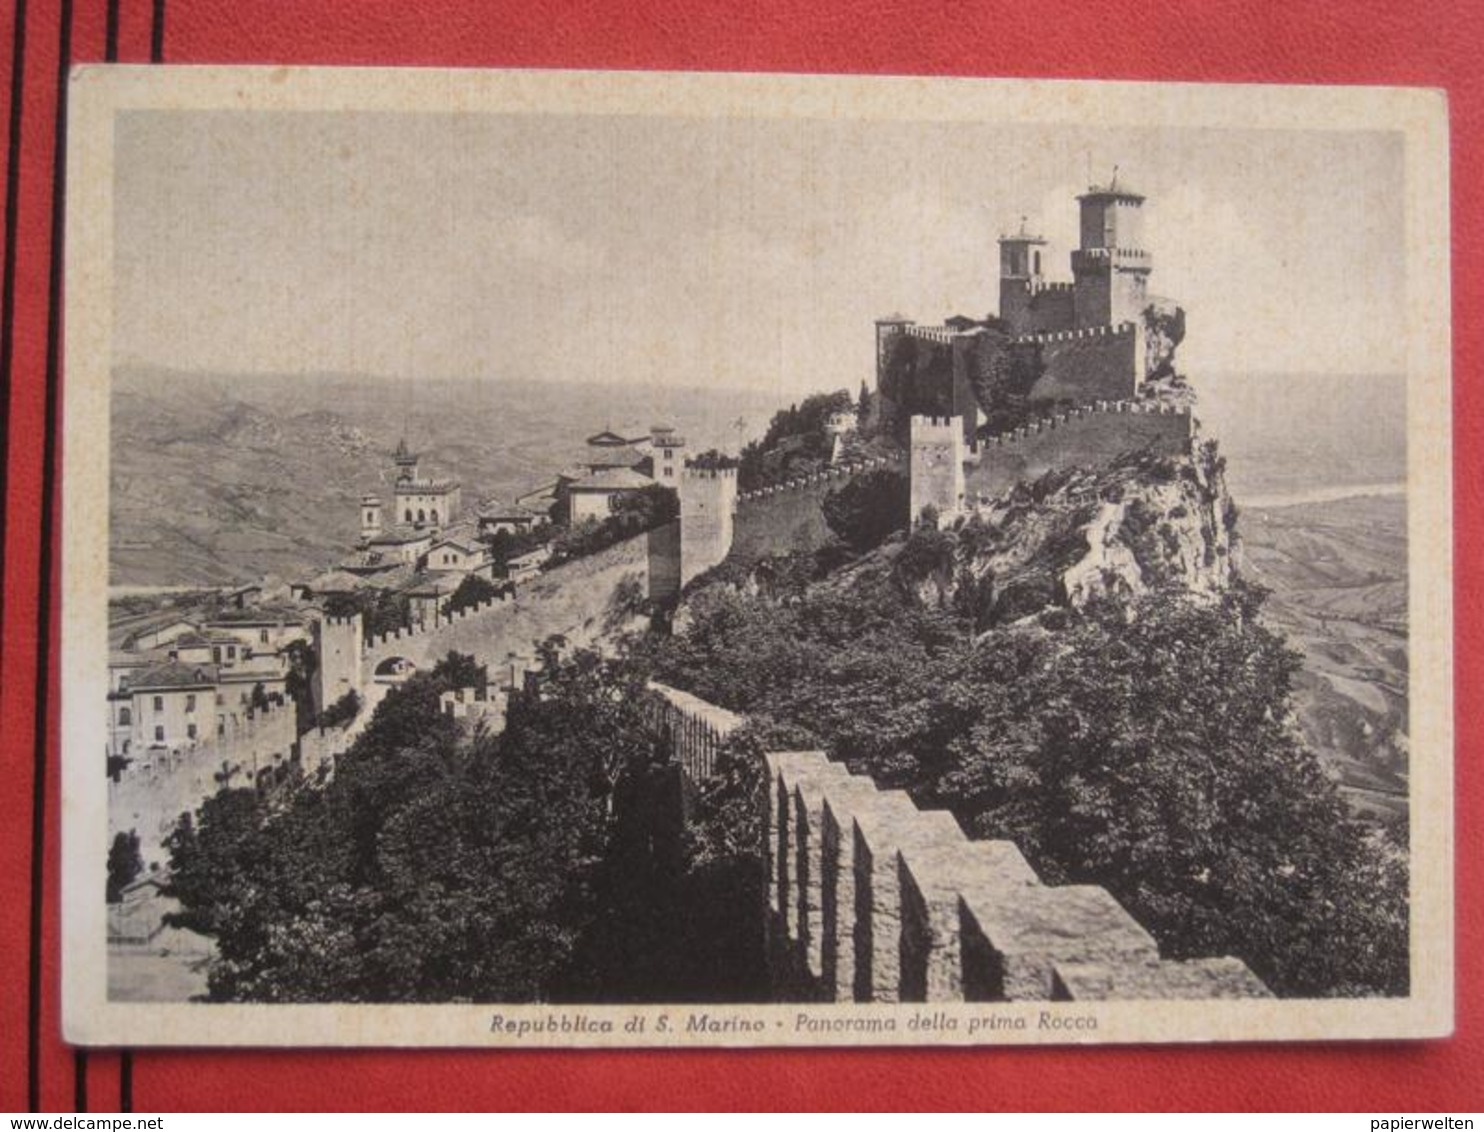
{"x": 1144, "y": 522}
{"x": 1164, "y": 330}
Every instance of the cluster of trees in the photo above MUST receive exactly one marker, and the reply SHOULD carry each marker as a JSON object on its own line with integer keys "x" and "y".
{"x": 472, "y": 591}
{"x": 432, "y": 867}
{"x": 634, "y": 512}
{"x": 125, "y": 863}
{"x": 1143, "y": 749}
{"x": 382, "y": 611}
{"x": 796, "y": 440}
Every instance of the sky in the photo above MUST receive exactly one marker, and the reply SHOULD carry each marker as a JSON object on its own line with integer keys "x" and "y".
{"x": 695, "y": 251}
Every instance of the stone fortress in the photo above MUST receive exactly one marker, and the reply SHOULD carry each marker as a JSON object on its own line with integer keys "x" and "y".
{"x": 1082, "y": 359}
{"x": 870, "y": 899}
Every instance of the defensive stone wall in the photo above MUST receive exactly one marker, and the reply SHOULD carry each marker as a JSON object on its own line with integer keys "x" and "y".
{"x": 1098, "y": 363}
{"x": 694, "y": 729}
{"x": 1087, "y": 436}
{"x": 380, "y": 642}
{"x": 789, "y": 517}
{"x": 1038, "y": 308}
{"x": 575, "y": 599}
{"x": 159, "y": 786}
{"x": 873, "y": 900}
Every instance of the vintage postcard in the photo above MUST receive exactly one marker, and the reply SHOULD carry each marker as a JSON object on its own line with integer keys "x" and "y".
{"x": 567, "y": 559}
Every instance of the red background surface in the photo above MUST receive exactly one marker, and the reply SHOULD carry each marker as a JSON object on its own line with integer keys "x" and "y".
{"x": 1416, "y": 42}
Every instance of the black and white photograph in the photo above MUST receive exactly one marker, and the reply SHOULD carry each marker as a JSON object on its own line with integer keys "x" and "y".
{"x": 597, "y": 560}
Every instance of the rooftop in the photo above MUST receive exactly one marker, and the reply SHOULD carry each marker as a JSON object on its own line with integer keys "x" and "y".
{"x": 400, "y": 536}
{"x": 611, "y": 479}
{"x": 173, "y": 675}
{"x": 610, "y": 439}
{"x": 334, "y": 581}
{"x": 434, "y": 582}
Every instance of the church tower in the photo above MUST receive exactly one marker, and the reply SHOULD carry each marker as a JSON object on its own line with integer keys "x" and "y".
{"x": 1020, "y": 276}
{"x": 1111, "y": 267}
{"x": 370, "y": 517}
{"x": 406, "y": 462}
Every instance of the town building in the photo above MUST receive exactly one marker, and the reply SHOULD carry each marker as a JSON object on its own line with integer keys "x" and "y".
{"x": 418, "y": 501}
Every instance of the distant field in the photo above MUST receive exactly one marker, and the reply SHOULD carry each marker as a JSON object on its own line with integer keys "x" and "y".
{"x": 219, "y": 479}
{"x": 1338, "y": 572}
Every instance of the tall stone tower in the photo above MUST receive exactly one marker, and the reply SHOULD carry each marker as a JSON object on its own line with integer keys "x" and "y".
{"x": 708, "y": 504}
{"x": 937, "y": 468}
{"x": 1111, "y": 268}
{"x": 370, "y": 517}
{"x": 337, "y": 643}
{"x": 1020, "y": 275}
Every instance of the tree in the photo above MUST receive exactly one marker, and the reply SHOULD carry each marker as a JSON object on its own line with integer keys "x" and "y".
{"x": 125, "y": 863}
{"x": 472, "y": 591}
{"x": 342, "y": 711}
{"x": 868, "y": 508}
{"x": 433, "y": 866}
{"x": 1142, "y": 747}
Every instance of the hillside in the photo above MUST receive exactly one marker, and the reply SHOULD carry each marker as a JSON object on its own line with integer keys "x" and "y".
{"x": 219, "y": 478}
{"x": 1338, "y": 575}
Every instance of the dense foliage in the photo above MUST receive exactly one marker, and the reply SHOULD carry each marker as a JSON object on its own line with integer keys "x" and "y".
{"x": 1146, "y": 750}
{"x": 472, "y": 591}
{"x": 125, "y": 863}
{"x": 382, "y": 611}
{"x": 796, "y": 440}
{"x": 868, "y": 508}
{"x": 634, "y": 512}
{"x": 433, "y": 866}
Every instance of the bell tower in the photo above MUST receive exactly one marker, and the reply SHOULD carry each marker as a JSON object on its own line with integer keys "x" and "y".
{"x": 370, "y": 517}
{"x": 1020, "y": 275}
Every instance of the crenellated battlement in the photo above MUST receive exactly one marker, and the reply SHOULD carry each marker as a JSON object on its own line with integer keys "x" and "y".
{"x": 871, "y": 899}
{"x": 1055, "y": 420}
{"x": 1086, "y": 436}
{"x": 693, "y": 473}
{"x": 834, "y": 473}
{"x": 1091, "y": 332}
{"x": 693, "y": 729}
{"x": 440, "y": 621}
{"x": 943, "y": 335}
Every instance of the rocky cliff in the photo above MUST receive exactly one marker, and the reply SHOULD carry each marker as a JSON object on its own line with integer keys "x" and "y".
{"x": 1142, "y": 523}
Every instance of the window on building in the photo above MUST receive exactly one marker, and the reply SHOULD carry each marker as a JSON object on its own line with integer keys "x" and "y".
{"x": 191, "y": 732}
{"x": 407, "y": 515}
{"x": 190, "y": 701}
{"x": 231, "y": 652}
{"x": 124, "y": 717}
{"x": 669, "y": 471}
{"x": 262, "y": 636}
{"x": 159, "y": 734}
{"x": 159, "y": 703}
{"x": 221, "y": 727}
{"x": 421, "y": 516}
{"x": 219, "y": 700}
{"x": 216, "y": 654}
